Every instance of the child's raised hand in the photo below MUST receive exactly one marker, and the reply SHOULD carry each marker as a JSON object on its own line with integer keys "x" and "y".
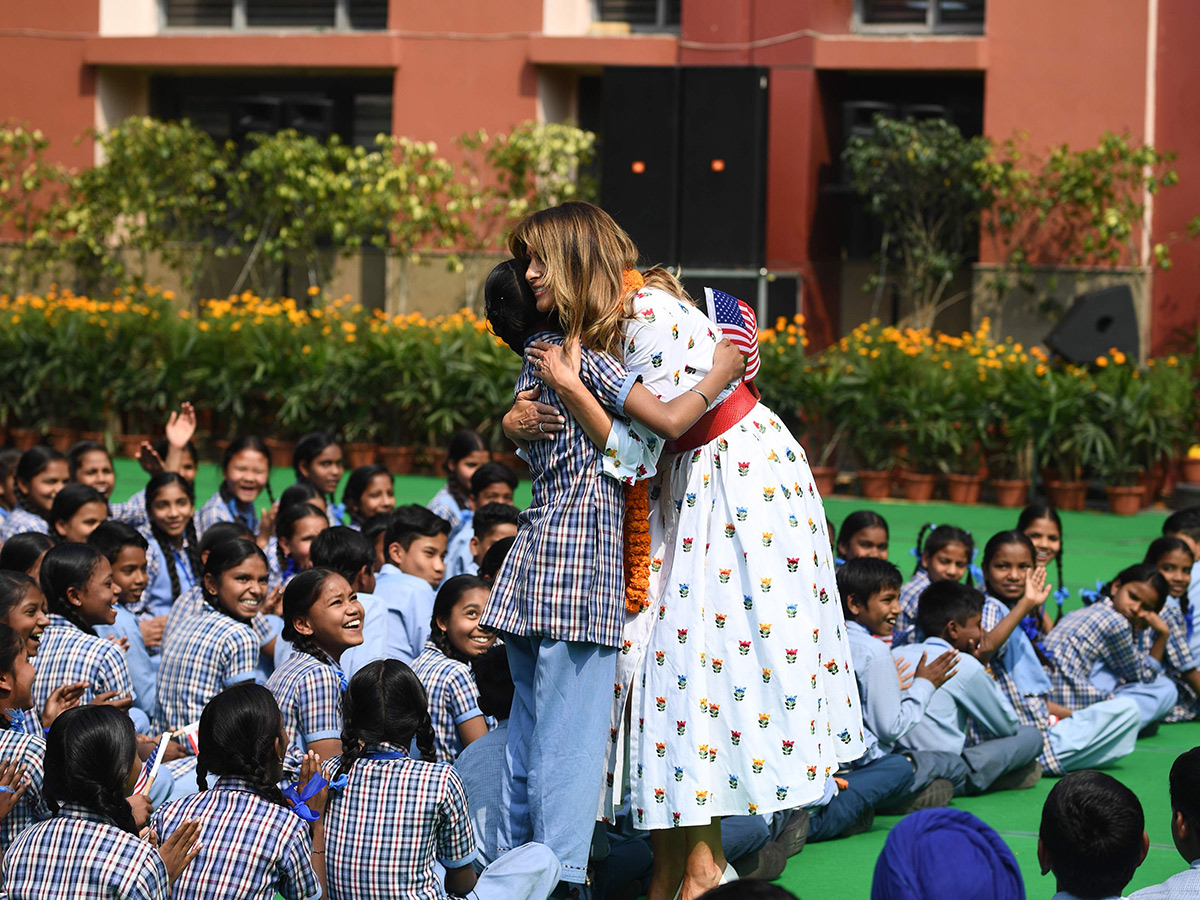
{"x": 728, "y": 361}
{"x": 180, "y": 849}
{"x": 149, "y": 459}
{"x": 266, "y": 525}
{"x": 13, "y": 782}
{"x": 1037, "y": 589}
{"x": 142, "y": 807}
{"x": 274, "y": 602}
{"x": 60, "y": 700}
{"x": 152, "y": 630}
{"x": 181, "y": 426}
{"x": 530, "y": 419}
{"x": 903, "y": 673}
{"x": 310, "y": 765}
{"x": 939, "y": 671}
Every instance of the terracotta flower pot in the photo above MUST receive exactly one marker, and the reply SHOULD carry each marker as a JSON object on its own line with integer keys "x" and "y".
{"x": 399, "y": 460}
{"x": 1010, "y": 493}
{"x": 875, "y": 485}
{"x": 23, "y": 438}
{"x": 1123, "y": 500}
{"x": 61, "y": 439}
{"x": 963, "y": 488}
{"x": 281, "y": 452}
{"x": 130, "y": 444}
{"x": 1189, "y": 468}
{"x": 918, "y": 486}
{"x": 1068, "y": 495}
{"x": 97, "y": 436}
{"x": 358, "y": 453}
{"x": 1151, "y": 483}
{"x": 825, "y": 479}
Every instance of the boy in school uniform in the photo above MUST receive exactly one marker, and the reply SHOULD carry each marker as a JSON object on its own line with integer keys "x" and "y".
{"x": 414, "y": 548}
{"x": 493, "y": 482}
{"x": 1093, "y": 836}
{"x": 1185, "y": 830}
{"x": 950, "y": 614}
{"x": 490, "y": 523}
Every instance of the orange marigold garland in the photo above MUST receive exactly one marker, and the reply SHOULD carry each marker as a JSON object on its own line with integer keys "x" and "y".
{"x": 631, "y": 280}
{"x": 637, "y": 546}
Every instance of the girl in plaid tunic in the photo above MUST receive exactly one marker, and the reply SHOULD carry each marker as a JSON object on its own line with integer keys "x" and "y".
{"x": 91, "y": 848}
{"x": 397, "y": 816}
{"x": 40, "y": 474}
{"x": 252, "y": 846}
{"x": 295, "y": 528}
{"x": 317, "y": 461}
{"x": 1173, "y": 558}
{"x": 246, "y": 473}
{"x": 444, "y": 666}
{"x": 322, "y": 618}
{"x": 76, "y": 511}
{"x": 466, "y": 452}
{"x": 298, "y": 494}
{"x": 173, "y": 557}
{"x": 17, "y": 747}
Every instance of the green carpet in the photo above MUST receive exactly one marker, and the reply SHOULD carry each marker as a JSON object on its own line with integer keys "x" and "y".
{"x": 1096, "y": 546}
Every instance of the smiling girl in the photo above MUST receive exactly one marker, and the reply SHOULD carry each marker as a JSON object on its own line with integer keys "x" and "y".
{"x": 41, "y": 473}
{"x": 245, "y": 474}
{"x": 369, "y": 491}
{"x": 456, "y": 638}
{"x": 317, "y": 460}
{"x": 75, "y": 513}
{"x": 1041, "y": 523}
{"x": 1173, "y": 558}
{"x": 944, "y": 553}
{"x": 466, "y": 453}
{"x": 16, "y": 746}
{"x": 322, "y": 618}
{"x": 172, "y": 560}
{"x": 295, "y": 529}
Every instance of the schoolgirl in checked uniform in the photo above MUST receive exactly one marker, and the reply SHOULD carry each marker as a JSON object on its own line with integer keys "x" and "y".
{"x": 16, "y": 746}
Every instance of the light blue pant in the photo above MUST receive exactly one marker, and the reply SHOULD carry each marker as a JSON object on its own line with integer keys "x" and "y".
{"x": 528, "y": 872}
{"x": 557, "y": 739}
{"x": 1155, "y": 699}
{"x": 1097, "y": 735}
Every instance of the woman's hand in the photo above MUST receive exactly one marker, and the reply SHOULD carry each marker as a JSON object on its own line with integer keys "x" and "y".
{"x": 60, "y": 700}
{"x": 557, "y": 366}
{"x": 728, "y": 361}
{"x": 530, "y": 419}
{"x": 152, "y": 631}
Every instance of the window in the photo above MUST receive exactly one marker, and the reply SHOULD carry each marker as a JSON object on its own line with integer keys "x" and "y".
{"x": 908, "y": 16}
{"x": 641, "y": 14}
{"x": 341, "y": 15}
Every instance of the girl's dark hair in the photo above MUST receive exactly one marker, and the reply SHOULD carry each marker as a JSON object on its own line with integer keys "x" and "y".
{"x": 9, "y": 457}
{"x": 510, "y": 306}
{"x": 343, "y": 550}
{"x": 238, "y": 731}
{"x": 12, "y": 645}
{"x": 71, "y": 499}
{"x": 447, "y": 598}
{"x": 191, "y": 545}
{"x": 21, "y": 551}
{"x": 375, "y": 526}
{"x": 856, "y": 522}
{"x": 13, "y": 588}
{"x": 285, "y": 526}
{"x": 245, "y": 442}
{"x": 1146, "y": 572}
{"x": 932, "y": 538}
{"x": 111, "y": 537}
{"x": 162, "y": 447}
{"x": 463, "y": 443}
{"x": 220, "y": 532}
{"x": 1159, "y": 548}
{"x": 68, "y": 566}
{"x": 300, "y": 492}
{"x": 1031, "y": 514}
{"x": 359, "y": 480}
{"x": 298, "y": 598}
{"x": 78, "y": 450}
{"x": 1035, "y": 630}
{"x": 385, "y": 703}
{"x": 1003, "y": 539}
{"x": 31, "y": 464}
{"x": 222, "y": 558}
{"x": 309, "y": 447}
{"x": 89, "y": 752}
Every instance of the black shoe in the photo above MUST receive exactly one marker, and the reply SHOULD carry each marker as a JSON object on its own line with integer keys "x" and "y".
{"x": 1149, "y": 731}
{"x": 795, "y": 833}
{"x": 1019, "y": 779}
{"x": 939, "y": 793}
{"x": 771, "y": 861}
{"x": 864, "y": 823}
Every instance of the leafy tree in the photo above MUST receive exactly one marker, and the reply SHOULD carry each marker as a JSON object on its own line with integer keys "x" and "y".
{"x": 31, "y": 200}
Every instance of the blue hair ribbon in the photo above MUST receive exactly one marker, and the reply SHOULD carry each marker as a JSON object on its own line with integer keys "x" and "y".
{"x": 1089, "y": 596}
{"x": 298, "y": 795}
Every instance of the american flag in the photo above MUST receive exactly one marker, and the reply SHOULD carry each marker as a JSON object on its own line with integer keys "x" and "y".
{"x": 737, "y": 323}
{"x": 150, "y": 766}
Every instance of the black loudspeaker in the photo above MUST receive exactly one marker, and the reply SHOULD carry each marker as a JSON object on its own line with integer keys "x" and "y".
{"x": 640, "y": 157}
{"x": 723, "y": 165}
{"x": 1095, "y": 323}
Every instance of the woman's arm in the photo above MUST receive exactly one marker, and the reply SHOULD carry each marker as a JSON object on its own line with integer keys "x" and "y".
{"x": 1036, "y": 592}
{"x": 530, "y": 419}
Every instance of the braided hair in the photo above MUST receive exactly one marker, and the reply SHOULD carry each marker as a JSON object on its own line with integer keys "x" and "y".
{"x": 245, "y": 442}
{"x": 298, "y": 598}
{"x": 933, "y": 538}
{"x": 1031, "y": 514}
{"x": 239, "y": 729}
{"x": 448, "y": 595}
{"x": 65, "y": 567}
{"x": 191, "y": 545}
{"x": 385, "y": 703}
{"x": 33, "y": 462}
{"x": 221, "y": 558}
{"x": 89, "y": 752}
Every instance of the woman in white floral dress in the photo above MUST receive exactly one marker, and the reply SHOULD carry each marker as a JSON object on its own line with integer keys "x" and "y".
{"x": 737, "y": 675}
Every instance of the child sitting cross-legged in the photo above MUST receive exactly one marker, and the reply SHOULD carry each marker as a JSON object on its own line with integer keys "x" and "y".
{"x": 1174, "y": 559}
{"x": 949, "y": 614}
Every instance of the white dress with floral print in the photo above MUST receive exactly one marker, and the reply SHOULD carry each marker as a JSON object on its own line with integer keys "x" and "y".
{"x": 744, "y": 700}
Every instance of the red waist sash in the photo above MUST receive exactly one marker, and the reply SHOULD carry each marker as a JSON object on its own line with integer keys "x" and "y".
{"x": 717, "y": 420}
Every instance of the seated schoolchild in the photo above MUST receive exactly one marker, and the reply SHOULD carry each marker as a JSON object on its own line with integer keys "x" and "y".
{"x": 863, "y": 533}
{"x": 1174, "y": 559}
{"x": 346, "y": 551}
{"x": 415, "y": 550}
{"x": 1185, "y": 525}
{"x": 943, "y": 551}
{"x": 1092, "y": 837}
{"x": 1095, "y": 650}
{"x": 493, "y": 482}
{"x": 1185, "y": 830}
{"x": 488, "y": 524}
{"x": 949, "y": 614}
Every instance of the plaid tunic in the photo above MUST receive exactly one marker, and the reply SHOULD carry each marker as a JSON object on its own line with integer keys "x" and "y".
{"x": 443, "y": 504}
{"x": 1031, "y": 709}
{"x": 21, "y": 520}
{"x": 563, "y": 578}
{"x": 132, "y": 511}
{"x": 157, "y": 595}
{"x": 1177, "y": 659}
{"x": 309, "y": 694}
{"x": 392, "y": 821}
{"x": 203, "y": 655}
{"x": 83, "y": 855}
{"x": 27, "y": 750}
{"x": 67, "y": 655}
{"x": 192, "y": 601}
{"x": 453, "y": 697}
{"x": 251, "y": 848}
{"x": 218, "y": 509}
{"x": 1096, "y": 633}
{"x": 906, "y": 630}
